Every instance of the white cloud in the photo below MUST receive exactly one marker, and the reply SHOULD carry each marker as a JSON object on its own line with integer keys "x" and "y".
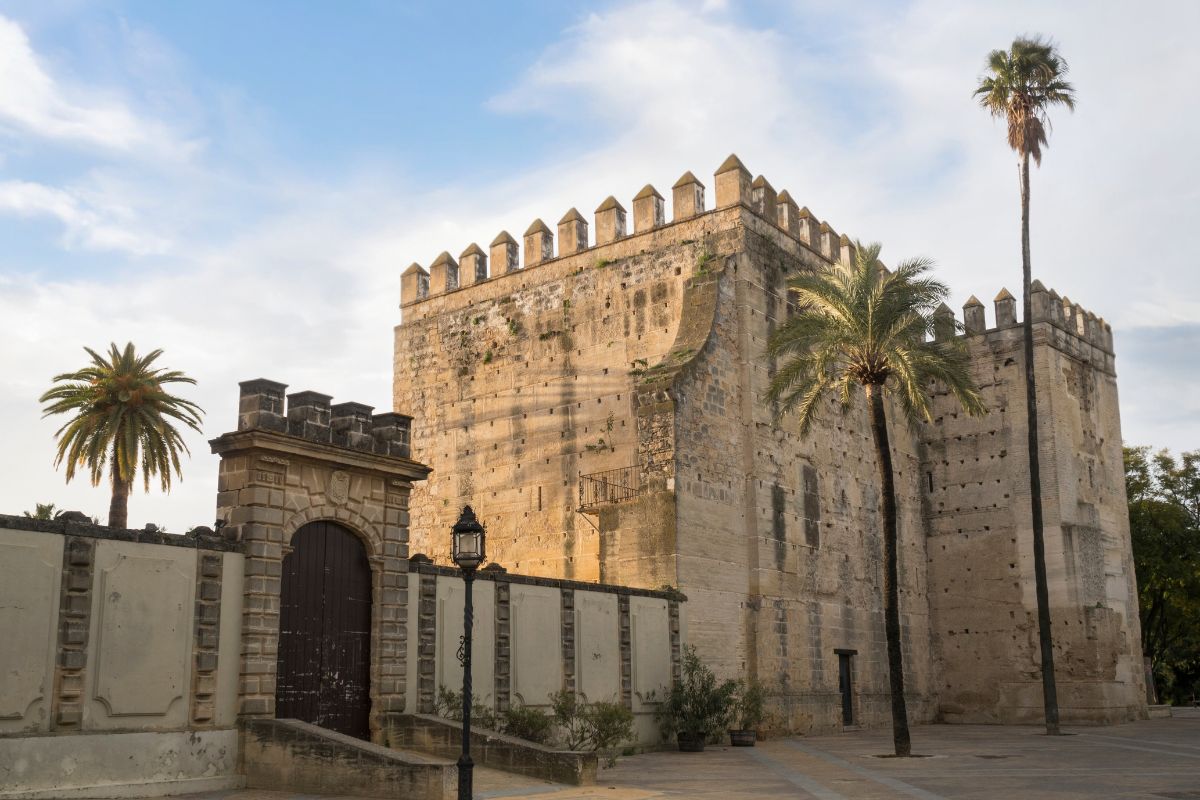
{"x": 86, "y": 226}
{"x": 867, "y": 119}
{"x": 34, "y": 103}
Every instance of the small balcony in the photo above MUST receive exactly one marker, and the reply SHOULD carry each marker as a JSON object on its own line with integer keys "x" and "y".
{"x": 609, "y": 487}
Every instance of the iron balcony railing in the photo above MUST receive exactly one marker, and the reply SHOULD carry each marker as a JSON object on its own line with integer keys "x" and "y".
{"x": 610, "y": 486}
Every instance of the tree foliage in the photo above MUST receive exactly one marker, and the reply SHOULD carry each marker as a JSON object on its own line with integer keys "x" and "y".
{"x": 121, "y": 422}
{"x": 862, "y": 327}
{"x": 1164, "y": 525}
{"x": 42, "y": 511}
{"x": 1021, "y": 85}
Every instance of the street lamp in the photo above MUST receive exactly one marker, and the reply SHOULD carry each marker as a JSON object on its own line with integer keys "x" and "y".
{"x": 468, "y": 552}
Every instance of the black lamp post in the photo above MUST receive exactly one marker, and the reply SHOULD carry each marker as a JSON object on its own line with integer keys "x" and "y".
{"x": 468, "y": 552}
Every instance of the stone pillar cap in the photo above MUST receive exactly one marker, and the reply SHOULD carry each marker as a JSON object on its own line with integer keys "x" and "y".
{"x": 844, "y": 240}
{"x": 609, "y": 204}
{"x": 1036, "y": 286}
{"x": 260, "y": 384}
{"x": 443, "y": 258}
{"x": 647, "y": 191}
{"x": 972, "y": 301}
{"x": 414, "y": 267}
{"x": 572, "y": 216}
{"x": 1004, "y": 295}
{"x": 730, "y": 164}
{"x": 351, "y": 407}
{"x": 804, "y": 212}
{"x": 473, "y": 250}
{"x": 503, "y": 238}
{"x": 760, "y": 182}
{"x": 537, "y": 226}
{"x": 827, "y": 228}
{"x": 307, "y": 397}
{"x": 784, "y": 197}
{"x": 686, "y": 179}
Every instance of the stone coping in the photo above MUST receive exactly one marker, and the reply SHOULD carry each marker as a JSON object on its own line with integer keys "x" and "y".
{"x": 420, "y": 564}
{"x": 441, "y": 738}
{"x": 201, "y": 542}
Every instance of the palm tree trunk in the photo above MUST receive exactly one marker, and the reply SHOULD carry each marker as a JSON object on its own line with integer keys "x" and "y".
{"x": 118, "y": 507}
{"x": 1049, "y": 690}
{"x": 891, "y": 584}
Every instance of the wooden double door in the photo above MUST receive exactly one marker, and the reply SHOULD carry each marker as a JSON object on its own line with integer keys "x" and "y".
{"x": 324, "y": 668}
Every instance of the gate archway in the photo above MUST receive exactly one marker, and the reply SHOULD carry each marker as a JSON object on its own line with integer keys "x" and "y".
{"x": 324, "y": 662}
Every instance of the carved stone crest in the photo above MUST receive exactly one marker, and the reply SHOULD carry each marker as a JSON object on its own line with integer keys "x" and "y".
{"x": 339, "y": 487}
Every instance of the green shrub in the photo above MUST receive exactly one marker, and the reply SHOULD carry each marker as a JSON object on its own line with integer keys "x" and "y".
{"x": 696, "y": 705}
{"x": 592, "y": 727}
{"x": 528, "y": 723}
{"x": 749, "y": 705}
{"x": 448, "y": 705}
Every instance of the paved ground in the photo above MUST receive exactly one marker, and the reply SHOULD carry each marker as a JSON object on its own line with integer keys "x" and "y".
{"x": 1158, "y": 759}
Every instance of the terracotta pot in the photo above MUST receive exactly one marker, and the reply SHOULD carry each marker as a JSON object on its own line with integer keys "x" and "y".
{"x": 743, "y": 738}
{"x": 690, "y": 742}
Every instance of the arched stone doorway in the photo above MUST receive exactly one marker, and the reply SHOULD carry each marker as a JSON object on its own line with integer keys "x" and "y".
{"x": 324, "y": 661}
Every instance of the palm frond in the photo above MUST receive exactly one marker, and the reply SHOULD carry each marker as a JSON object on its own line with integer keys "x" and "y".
{"x": 858, "y": 325}
{"x": 120, "y": 419}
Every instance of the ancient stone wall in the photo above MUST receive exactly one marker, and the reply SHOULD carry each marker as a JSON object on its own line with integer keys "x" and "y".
{"x": 980, "y": 540}
{"x": 604, "y": 411}
{"x": 614, "y": 643}
{"x": 118, "y": 643}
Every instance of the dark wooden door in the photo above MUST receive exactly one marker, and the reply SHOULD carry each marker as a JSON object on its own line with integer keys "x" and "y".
{"x": 324, "y": 674}
{"x": 846, "y": 687}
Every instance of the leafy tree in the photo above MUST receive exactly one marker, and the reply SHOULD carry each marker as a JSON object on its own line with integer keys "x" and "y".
{"x": 1164, "y": 525}
{"x": 121, "y": 421}
{"x": 862, "y": 326}
{"x": 42, "y": 511}
{"x": 1020, "y": 86}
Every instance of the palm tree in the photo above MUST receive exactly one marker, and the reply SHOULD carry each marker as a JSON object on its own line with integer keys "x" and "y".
{"x": 1021, "y": 85}
{"x": 860, "y": 325}
{"x": 121, "y": 420}
{"x": 41, "y": 511}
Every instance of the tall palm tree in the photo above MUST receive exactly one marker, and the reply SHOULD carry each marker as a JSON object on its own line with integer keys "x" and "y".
{"x": 862, "y": 326}
{"x": 1021, "y": 85}
{"x": 121, "y": 420}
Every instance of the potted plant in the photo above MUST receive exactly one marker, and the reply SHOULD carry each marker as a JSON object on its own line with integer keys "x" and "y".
{"x": 697, "y": 707}
{"x": 747, "y": 714}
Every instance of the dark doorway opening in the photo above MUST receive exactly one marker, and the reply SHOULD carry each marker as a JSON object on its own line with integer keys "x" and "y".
{"x": 846, "y": 683}
{"x": 324, "y": 667}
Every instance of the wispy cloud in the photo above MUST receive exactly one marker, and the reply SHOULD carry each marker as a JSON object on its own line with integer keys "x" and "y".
{"x": 33, "y": 103}
{"x": 85, "y": 226}
{"x": 866, "y": 117}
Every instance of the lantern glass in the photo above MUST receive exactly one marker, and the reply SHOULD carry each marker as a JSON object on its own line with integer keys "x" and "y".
{"x": 468, "y": 550}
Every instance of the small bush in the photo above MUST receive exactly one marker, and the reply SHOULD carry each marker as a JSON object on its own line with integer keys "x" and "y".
{"x": 448, "y": 705}
{"x": 592, "y": 727}
{"x": 525, "y": 722}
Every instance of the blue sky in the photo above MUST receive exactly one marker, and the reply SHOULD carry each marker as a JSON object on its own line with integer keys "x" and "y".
{"x": 242, "y": 183}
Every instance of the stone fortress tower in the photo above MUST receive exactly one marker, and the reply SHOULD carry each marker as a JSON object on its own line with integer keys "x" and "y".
{"x": 601, "y": 406}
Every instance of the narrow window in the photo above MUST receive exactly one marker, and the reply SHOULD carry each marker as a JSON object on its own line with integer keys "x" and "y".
{"x": 812, "y": 507}
{"x": 846, "y": 683}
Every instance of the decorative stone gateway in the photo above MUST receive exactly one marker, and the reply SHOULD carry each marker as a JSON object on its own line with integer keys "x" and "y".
{"x": 309, "y": 463}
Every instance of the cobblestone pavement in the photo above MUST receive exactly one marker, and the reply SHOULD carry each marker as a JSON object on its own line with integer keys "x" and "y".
{"x": 1157, "y": 760}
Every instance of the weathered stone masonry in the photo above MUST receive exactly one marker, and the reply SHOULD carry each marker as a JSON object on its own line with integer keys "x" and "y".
{"x": 317, "y": 461}
{"x": 603, "y": 410}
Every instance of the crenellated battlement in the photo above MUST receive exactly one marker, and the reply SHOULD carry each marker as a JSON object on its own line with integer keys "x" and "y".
{"x": 314, "y": 417}
{"x": 1048, "y": 306}
{"x": 734, "y": 186}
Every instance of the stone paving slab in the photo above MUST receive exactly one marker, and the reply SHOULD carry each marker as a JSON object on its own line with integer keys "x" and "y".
{"x": 1153, "y": 760}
